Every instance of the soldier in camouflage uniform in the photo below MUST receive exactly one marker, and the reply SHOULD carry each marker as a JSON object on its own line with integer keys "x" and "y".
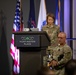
{"x": 59, "y": 55}
{"x": 51, "y": 29}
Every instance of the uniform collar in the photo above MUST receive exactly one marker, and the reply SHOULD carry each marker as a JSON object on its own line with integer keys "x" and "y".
{"x": 50, "y": 26}
{"x": 61, "y": 45}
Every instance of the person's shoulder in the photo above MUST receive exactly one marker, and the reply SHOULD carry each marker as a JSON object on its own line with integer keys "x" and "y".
{"x": 56, "y": 26}
{"x": 45, "y": 26}
{"x": 50, "y": 47}
{"x": 67, "y": 47}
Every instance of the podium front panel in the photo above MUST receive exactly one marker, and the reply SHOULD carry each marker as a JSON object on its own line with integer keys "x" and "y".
{"x": 31, "y": 61}
{"x": 27, "y": 40}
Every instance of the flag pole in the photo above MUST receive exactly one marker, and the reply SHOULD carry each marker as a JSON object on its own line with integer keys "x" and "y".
{"x": 20, "y": 14}
{"x": 21, "y": 26}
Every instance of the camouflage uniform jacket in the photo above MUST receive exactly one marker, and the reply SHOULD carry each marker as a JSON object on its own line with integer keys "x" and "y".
{"x": 62, "y": 54}
{"x": 52, "y": 32}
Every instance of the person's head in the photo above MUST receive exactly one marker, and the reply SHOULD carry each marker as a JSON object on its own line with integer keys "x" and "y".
{"x": 50, "y": 18}
{"x": 45, "y": 71}
{"x": 70, "y": 67}
{"x": 62, "y": 38}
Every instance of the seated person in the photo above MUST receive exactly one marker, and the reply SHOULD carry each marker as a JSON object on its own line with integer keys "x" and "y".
{"x": 58, "y": 56}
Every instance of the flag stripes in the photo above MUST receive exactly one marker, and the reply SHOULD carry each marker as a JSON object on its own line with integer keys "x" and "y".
{"x": 17, "y": 26}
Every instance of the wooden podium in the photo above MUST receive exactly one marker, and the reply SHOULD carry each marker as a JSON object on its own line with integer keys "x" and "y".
{"x": 32, "y": 46}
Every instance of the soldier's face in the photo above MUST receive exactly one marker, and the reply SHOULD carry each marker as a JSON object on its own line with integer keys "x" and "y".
{"x": 50, "y": 20}
{"x": 61, "y": 39}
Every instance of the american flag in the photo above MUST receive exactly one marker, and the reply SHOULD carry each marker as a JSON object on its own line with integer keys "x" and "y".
{"x": 17, "y": 26}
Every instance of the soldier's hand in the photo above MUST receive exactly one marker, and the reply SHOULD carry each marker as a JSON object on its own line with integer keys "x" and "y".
{"x": 54, "y": 63}
{"x": 50, "y": 64}
{"x": 49, "y": 35}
